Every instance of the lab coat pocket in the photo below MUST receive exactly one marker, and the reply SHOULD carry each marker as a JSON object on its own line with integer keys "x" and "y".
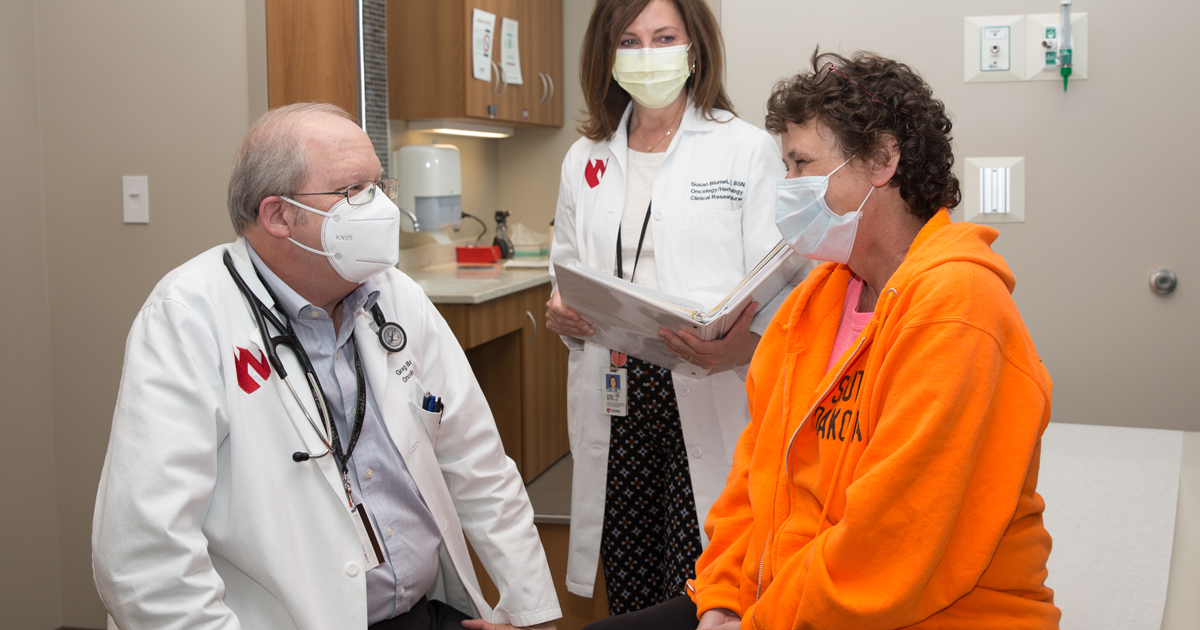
{"x": 430, "y": 420}
{"x": 712, "y": 248}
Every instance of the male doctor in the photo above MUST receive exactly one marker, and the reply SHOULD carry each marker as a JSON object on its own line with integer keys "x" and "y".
{"x": 337, "y": 496}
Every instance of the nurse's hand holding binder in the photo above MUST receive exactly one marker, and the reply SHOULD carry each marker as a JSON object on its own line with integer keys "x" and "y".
{"x": 735, "y": 348}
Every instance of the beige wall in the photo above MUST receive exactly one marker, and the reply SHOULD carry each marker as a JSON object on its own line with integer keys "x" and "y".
{"x": 30, "y": 595}
{"x": 1109, "y": 169}
{"x": 134, "y": 87}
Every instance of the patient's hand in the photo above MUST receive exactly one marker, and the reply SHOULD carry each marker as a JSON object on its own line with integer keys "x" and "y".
{"x": 479, "y": 624}
{"x": 719, "y": 619}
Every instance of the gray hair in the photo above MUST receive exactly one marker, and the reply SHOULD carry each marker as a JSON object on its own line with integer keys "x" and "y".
{"x": 271, "y": 160}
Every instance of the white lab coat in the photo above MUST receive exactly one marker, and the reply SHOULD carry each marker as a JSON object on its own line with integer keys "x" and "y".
{"x": 713, "y": 220}
{"x": 204, "y": 521}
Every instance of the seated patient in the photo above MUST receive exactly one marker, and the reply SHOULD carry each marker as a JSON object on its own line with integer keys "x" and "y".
{"x": 887, "y": 478}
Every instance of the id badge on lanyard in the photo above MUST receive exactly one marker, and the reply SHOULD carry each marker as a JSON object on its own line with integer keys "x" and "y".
{"x": 372, "y": 550}
{"x": 616, "y": 386}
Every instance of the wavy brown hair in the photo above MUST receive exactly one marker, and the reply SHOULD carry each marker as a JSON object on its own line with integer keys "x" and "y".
{"x": 606, "y": 100}
{"x": 862, "y": 126}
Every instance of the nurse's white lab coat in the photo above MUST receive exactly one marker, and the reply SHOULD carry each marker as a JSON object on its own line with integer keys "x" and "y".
{"x": 204, "y": 521}
{"x": 713, "y": 219}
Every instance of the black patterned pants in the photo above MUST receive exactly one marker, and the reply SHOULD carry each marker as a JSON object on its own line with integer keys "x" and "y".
{"x": 651, "y": 537}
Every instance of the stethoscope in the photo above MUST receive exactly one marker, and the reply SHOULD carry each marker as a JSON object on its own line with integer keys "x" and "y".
{"x": 391, "y": 336}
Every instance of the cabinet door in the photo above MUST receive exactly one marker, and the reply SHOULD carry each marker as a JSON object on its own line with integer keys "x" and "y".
{"x": 312, "y": 53}
{"x": 544, "y": 19}
{"x": 538, "y": 31}
{"x": 490, "y": 100}
{"x": 543, "y": 389}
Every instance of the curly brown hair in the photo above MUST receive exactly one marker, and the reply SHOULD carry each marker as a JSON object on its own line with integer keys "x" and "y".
{"x": 862, "y": 126}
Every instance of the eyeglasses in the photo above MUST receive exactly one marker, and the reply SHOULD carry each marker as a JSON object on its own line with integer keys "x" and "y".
{"x": 389, "y": 187}
{"x": 828, "y": 68}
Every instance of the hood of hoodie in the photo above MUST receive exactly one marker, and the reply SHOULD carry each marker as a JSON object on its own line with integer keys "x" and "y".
{"x": 941, "y": 241}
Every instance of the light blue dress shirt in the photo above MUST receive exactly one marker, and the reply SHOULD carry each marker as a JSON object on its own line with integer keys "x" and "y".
{"x": 378, "y": 475}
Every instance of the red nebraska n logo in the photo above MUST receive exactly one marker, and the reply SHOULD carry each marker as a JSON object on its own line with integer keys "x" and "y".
{"x": 594, "y": 171}
{"x": 244, "y": 361}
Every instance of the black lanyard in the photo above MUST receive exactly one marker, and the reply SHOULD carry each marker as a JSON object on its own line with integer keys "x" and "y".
{"x": 360, "y": 411}
{"x": 638, "y": 255}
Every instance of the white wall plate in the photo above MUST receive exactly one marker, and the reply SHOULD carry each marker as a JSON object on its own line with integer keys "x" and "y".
{"x": 971, "y": 190}
{"x": 982, "y": 62}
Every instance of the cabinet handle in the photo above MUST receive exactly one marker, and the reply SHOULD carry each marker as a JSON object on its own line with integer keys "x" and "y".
{"x": 496, "y": 83}
{"x": 545, "y": 87}
{"x": 551, "y": 97}
{"x": 504, "y": 79}
{"x": 534, "y": 322}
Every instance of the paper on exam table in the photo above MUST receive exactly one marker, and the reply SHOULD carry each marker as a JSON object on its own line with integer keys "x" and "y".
{"x": 627, "y": 317}
{"x": 1110, "y": 496}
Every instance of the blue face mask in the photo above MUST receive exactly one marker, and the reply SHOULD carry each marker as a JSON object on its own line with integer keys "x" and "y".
{"x": 808, "y": 225}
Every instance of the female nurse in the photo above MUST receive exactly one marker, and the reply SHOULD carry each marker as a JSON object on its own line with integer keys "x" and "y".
{"x": 671, "y": 191}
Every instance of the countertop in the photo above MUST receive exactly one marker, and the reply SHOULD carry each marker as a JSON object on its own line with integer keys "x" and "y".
{"x": 550, "y": 493}
{"x": 450, "y": 284}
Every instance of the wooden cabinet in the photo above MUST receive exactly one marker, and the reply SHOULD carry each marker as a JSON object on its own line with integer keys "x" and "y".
{"x": 522, "y": 369}
{"x": 312, "y": 53}
{"x": 430, "y": 68}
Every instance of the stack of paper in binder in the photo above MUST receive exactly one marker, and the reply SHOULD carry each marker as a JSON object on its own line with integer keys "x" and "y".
{"x": 627, "y": 317}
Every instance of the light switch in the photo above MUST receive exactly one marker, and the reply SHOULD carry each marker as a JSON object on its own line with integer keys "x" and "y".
{"x": 994, "y": 190}
{"x": 135, "y": 189}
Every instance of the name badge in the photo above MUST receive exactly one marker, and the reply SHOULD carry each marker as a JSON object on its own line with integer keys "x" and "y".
{"x": 372, "y": 551}
{"x": 616, "y": 395}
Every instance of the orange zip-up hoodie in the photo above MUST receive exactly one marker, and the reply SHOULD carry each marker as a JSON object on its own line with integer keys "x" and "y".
{"x": 898, "y": 489}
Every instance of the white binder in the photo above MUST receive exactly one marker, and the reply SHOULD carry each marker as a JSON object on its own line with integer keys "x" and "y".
{"x": 626, "y": 317}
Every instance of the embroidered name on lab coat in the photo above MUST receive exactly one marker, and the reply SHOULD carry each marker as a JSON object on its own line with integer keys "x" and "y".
{"x": 718, "y": 189}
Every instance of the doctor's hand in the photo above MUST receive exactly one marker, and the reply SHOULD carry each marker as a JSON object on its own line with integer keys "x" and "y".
{"x": 719, "y": 618}
{"x": 479, "y": 624}
{"x": 564, "y": 321}
{"x": 735, "y": 349}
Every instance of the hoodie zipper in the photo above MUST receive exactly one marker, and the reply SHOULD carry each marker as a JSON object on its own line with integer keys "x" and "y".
{"x": 787, "y": 456}
{"x": 758, "y": 590}
{"x": 787, "y": 462}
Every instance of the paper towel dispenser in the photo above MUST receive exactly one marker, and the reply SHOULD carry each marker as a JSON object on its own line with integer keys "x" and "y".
{"x": 430, "y": 177}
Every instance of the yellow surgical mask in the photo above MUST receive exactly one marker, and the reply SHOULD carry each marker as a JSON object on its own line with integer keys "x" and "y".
{"x": 652, "y": 76}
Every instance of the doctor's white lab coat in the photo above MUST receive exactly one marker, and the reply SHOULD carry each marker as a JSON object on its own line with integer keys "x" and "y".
{"x": 713, "y": 219}
{"x": 204, "y": 521}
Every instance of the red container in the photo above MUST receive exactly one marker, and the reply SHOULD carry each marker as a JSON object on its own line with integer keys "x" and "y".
{"x": 478, "y": 255}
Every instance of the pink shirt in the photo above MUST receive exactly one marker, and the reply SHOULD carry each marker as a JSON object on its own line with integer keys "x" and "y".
{"x": 853, "y": 322}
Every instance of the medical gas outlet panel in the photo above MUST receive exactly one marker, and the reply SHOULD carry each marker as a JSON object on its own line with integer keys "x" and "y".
{"x": 1023, "y": 47}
